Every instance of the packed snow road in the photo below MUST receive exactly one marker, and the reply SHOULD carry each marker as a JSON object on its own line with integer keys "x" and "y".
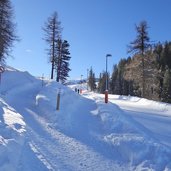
{"x": 155, "y": 116}
{"x": 84, "y": 135}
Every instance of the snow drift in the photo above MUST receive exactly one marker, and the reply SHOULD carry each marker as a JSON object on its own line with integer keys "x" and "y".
{"x": 85, "y": 134}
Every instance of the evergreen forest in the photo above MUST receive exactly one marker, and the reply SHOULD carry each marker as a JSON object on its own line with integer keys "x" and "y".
{"x": 126, "y": 77}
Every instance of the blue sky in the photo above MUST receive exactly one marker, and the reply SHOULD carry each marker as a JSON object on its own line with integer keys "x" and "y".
{"x": 93, "y": 28}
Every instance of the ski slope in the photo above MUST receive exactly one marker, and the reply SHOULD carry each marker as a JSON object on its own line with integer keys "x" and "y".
{"x": 128, "y": 133}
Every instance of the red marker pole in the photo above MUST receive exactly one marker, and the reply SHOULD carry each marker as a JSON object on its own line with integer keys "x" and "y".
{"x": 106, "y": 96}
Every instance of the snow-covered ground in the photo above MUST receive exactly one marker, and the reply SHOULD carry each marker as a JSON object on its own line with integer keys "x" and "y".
{"x": 85, "y": 134}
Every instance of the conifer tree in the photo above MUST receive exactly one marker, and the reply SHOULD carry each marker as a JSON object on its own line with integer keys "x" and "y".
{"x": 139, "y": 46}
{"x": 166, "y": 93}
{"x": 166, "y": 55}
{"x": 7, "y": 29}
{"x": 92, "y": 80}
{"x": 52, "y": 31}
{"x": 102, "y": 83}
{"x": 62, "y": 60}
{"x": 158, "y": 51}
{"x": 118, "y": 84}
{"x": 113, "y": 83}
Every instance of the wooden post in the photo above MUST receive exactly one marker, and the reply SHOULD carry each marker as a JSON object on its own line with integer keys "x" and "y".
{"x": 2, "y": 69}
{"x": 58, "y": 99}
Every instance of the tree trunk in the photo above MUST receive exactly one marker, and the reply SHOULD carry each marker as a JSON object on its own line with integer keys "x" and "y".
{"x": 143, "y": 78}
{"x": 52, "y": 69}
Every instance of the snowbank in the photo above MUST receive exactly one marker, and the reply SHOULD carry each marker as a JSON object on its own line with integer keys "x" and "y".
{"x": 143, "y": 104}
{"x": 12, "y": 137}
{"x": 131, "y": 142}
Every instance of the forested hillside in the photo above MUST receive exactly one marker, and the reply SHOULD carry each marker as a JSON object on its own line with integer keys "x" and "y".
{"x": 126, "y": 78}
{"x": 146, "y": 73}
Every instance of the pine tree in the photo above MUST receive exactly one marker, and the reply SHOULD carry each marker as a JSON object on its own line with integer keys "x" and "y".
{"x": 166, "y": 93}
{"x": 139, "y": 46}
{"x": 113, "y": 83}
{"x": 58, "y": 59}
{"x": 118, "y": 84}
{"x": 158, "y": 52}
{"x": 163, "y": 52}
{"x": 92, "y": 80}
{"x": 166, "y": 55}
{"x": 102, "y": 82}
{"x": 62, "y": 60}
{"x": 7, "y": 29}
{"x": 52, "y": 31}
{"x": 121, "y": 80}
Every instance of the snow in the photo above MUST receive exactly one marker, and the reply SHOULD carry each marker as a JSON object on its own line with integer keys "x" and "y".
{"x": 85, "y": 134}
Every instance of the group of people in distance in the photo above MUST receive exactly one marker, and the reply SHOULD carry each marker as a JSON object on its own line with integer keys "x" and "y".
{"x": 77, "y": 90}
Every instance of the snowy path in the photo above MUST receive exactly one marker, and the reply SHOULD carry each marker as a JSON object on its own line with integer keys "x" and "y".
{"x": 61, "y": 152}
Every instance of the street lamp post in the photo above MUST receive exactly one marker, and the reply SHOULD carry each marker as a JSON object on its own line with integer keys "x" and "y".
{"x": 81, "y": 89}
{"x": 106, "y": 91}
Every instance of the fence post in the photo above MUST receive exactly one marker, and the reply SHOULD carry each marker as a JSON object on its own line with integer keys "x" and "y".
{"x": 58, "y": 99}
{"x": 2, "y": 69}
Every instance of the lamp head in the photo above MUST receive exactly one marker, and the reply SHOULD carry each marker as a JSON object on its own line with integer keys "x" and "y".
{"x": 108, "y": 55}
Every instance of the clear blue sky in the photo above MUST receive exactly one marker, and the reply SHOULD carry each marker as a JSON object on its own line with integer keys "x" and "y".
{"x": 92, "y": 27}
